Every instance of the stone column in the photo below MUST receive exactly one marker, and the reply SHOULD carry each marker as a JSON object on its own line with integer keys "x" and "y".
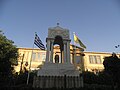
{"x": 65, "y": 53}
{"x": 48, "y": 50}
{"x": 51, "y": 56}
{"x": 68, "y": 52}
{"x": 61, "y": 56}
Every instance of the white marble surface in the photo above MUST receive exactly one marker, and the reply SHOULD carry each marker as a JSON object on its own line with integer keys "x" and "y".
{"x": 58, "y": 69}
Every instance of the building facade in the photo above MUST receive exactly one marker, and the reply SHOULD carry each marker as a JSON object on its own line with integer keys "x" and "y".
{"x": 29, "y": 57}
{"x": 83, "y": 60}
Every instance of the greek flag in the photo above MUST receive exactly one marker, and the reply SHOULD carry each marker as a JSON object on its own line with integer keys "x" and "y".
{"x": 38, "y": 42}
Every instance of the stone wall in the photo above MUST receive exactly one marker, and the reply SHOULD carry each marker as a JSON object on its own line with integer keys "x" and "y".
{"x": 58, "y": 81}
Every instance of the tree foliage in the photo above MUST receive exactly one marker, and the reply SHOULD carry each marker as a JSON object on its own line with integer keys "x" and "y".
{"x": 101, "y": 78}
{"x": 8, "y": 56}
{"x": 112, "y": 67}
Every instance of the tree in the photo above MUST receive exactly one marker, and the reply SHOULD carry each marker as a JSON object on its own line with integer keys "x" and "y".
{"x": 101, "y": 78}
{"x": 8, "y": 57}
{"x": 112, "y": 67}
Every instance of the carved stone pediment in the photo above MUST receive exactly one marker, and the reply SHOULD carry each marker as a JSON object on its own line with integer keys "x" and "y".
{"x": 55, "y": 31}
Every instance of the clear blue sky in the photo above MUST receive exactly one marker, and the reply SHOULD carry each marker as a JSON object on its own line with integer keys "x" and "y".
{"x": 95, "y": 22}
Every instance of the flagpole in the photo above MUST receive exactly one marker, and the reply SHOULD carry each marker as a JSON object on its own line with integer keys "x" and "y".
{"x": 30, "y": 65}
{"x": 74, "y": 47}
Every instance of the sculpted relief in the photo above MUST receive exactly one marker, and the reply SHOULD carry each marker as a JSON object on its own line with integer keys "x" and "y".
{"x": 63, "y": 33}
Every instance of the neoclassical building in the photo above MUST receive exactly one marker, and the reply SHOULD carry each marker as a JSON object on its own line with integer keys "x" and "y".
{"x": 84, "y": 60}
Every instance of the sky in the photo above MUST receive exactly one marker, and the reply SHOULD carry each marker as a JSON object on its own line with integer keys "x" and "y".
{"x": 95, "y": 22}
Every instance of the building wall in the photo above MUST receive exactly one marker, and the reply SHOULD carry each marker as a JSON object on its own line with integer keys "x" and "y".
{"x": 88, "y": 61}
{"x": 93, "y": 61}
{"x": 36, "y": 56}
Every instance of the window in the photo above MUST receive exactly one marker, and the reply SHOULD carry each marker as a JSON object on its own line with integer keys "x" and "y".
{"x": 95, "y": 59}
{"x": 33, "y": 56}
{"x": 98, "y": 58}
{"x": 43, "y": 56}
{"x": 77, "y": 59}
{"x": 38, "y": 56}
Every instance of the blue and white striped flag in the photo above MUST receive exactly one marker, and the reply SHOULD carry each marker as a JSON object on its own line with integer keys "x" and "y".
{"x": 38, "y": 42}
